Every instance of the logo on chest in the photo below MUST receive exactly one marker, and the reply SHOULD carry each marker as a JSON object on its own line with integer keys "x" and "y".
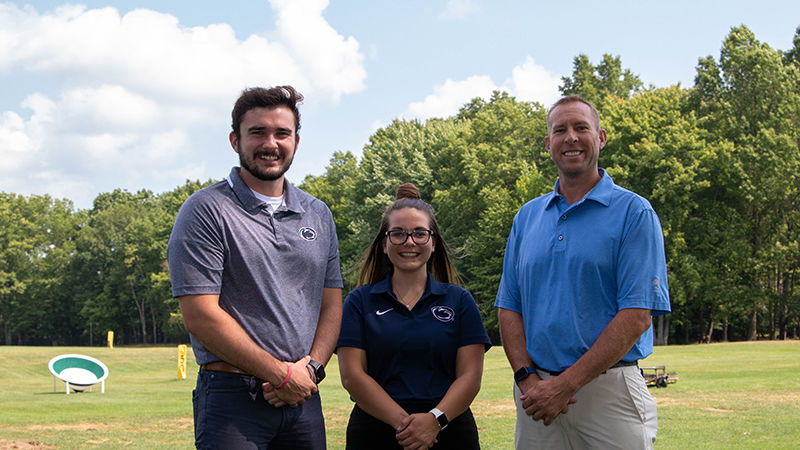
{"x": 443, "y": 313}
{"x": 308, "y": 233}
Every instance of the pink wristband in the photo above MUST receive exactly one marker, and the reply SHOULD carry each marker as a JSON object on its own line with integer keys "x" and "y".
{"x": 288, "y": 376}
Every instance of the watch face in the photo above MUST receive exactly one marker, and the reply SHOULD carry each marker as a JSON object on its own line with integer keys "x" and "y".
{"x": 522, "y": 373}
{"x": 319, "y": 370}
{"x": 442, "y": 420}
{"x": 320, "y": 373}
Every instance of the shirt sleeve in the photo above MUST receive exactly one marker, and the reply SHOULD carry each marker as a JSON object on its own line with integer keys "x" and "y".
{"x": 333, "y": 274}
{"x": 195, "y": 251}
{"x": 642, "y": 265}
{"x": 352, "y": 332}
{"x": 472, "y": 330}
{"x": 508, "y": 294}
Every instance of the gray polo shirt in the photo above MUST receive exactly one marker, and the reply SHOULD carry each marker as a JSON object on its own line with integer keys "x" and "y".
{"x": 269, "y": 270}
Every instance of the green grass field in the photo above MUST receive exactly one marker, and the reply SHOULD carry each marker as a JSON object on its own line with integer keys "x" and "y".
{"x": 739, "y": 395}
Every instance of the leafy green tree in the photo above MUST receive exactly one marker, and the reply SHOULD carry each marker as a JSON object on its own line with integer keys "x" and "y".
{"x": 125, "y": 244}
{"x": 749, "y": 99}
{"x": 15, "y": 245}
{"x": 36, "y": 236}
{"x": 332, "y": 188}
{"x": 395, "y": 154}
{"x": 657, "y": 149}
{"x": 484, "y": 174}
{"x": 598, "y": 83}
{"x": 44, "y": 313}
{"x": 793, "y": 55}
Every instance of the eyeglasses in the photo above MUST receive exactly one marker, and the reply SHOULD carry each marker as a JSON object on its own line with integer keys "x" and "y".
{"x": 420, "y": 236}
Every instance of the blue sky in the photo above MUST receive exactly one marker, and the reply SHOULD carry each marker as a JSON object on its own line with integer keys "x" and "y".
{"x": 99, "y": 95}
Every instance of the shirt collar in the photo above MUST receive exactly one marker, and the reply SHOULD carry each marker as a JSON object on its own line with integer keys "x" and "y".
{"x": 600, "y": 193}
{"x": 431, "y": 286}
{"x": 251, "y": 202}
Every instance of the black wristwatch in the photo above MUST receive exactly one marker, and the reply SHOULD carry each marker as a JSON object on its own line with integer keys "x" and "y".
{"x": 523, "y": 373}
{"x": 319, "y": 371}
{"x": 441, "y": 418}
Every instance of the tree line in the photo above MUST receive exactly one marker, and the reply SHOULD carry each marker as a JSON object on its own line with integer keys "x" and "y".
{"x": 719, "y": 162}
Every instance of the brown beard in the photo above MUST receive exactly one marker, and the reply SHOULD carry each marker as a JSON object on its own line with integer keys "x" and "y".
{"x": 262, "y": 175}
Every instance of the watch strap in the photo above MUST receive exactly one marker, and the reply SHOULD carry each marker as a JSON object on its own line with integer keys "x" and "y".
{"x": 318, "y": 369}
{"x": 441, "y": 418}
{"x": 522, "y": 373}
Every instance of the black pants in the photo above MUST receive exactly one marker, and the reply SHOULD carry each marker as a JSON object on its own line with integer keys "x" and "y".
{"x": 365, "y": 432}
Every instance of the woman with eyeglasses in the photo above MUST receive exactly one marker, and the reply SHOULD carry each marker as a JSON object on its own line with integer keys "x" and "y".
{"x": 412, "y": 341}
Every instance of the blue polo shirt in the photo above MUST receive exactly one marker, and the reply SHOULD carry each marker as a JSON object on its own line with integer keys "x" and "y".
{"x": 568, "y": 270}
{"x": 412, "y": 354}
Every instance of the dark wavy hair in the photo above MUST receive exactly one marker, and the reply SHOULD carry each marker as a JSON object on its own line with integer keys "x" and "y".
{"x": 259, "y": 97}
{"x": 376, "y": 265}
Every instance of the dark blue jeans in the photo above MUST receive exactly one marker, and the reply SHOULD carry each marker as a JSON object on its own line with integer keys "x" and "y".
{"x": 230, "y": 413}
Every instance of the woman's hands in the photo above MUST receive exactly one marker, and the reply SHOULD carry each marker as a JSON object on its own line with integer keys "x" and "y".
{"x": 418, "y": 431}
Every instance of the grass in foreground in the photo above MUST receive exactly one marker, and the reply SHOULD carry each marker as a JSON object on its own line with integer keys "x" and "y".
{"x": 740, "y": 395}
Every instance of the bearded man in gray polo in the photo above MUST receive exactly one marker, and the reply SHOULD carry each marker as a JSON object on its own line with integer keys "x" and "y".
{"x": 254, "y": 262}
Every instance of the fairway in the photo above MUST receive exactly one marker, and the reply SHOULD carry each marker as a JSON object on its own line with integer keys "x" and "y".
{"x": 739, "y": 395}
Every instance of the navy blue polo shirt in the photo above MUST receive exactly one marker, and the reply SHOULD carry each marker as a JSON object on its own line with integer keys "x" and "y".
{"x": 412, "y": 354}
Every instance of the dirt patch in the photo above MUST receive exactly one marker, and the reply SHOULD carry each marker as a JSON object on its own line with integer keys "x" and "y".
{"x": 493, "y": 408}
{"x": 337, "y": 417}
{"x": 64, "y": 427}
{"x": 790, "y": 397}
{"x": 182, "y": 423}
{"x": 719, "y": 410}
{"x": 729, "y": 401}
{"x": 5, "y": 445}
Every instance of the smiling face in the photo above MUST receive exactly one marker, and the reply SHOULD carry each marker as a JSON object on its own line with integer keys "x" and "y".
{"x": 409, "y": 256}
{"x": 574, "y": 140}
{"x": 266, "y": 145}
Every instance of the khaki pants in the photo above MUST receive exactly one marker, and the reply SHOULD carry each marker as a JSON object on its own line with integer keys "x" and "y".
{"x": 613, "y": 411}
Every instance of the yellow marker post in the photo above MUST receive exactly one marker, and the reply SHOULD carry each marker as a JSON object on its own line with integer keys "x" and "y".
{"x": 110, "y": 339}
{"x": 182, "y": 361}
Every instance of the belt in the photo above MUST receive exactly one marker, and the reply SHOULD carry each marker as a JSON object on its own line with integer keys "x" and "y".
{"x": 222, "y": 366}
{"x": 615, "y": 366}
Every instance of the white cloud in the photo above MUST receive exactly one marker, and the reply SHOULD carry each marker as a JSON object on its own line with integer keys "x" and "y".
{"x": 448, "y": 98}
{"x": 109, "y": 107}
{"x": 14, "y": 140}
{"x": 531, "y": 82}
{"x": 130, "y": 100}
{"x": 150, "y": 51}
{"x": 332, "y": 61}
{"x": 528, "y": 82}
{"x": 21, "y": 140}
{"x": 459, "y": 9}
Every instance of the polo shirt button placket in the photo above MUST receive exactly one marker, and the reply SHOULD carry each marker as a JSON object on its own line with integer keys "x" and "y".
{"x": 271, "y": 220}
{"x": 560, "y": 229}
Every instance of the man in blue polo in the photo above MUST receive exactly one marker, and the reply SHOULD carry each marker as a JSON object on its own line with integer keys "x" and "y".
{"x": 254, "y": 262}
{"x": 584, "y": 271}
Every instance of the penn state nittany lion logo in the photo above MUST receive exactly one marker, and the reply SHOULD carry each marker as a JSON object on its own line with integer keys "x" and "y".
{"x": 443, "y": 313}
{"x": 308, "y": 233}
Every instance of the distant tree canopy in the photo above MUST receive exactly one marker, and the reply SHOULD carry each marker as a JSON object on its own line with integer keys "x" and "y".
{"x": 718, "y": 161}
{"x": 68, "y": 277}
